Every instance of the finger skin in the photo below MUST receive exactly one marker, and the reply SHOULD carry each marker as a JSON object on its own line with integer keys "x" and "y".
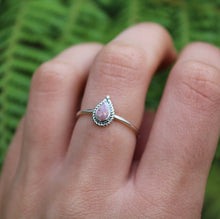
{"x": 11, "y": 160}
{"x": 145, "y": 129}
{"x": 123, "y": 70}
{"x": 56, "y": 90}
{"x": 175, "y": 165}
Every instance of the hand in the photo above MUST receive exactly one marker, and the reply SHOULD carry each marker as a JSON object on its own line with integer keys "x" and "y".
{"x": 59, "y": 166}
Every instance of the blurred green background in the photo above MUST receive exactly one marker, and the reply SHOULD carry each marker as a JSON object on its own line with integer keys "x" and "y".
{"x": 33, "y": 31}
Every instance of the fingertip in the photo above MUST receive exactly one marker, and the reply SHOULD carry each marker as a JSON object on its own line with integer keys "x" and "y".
{"x": 90, "y": 47}
{"x": 201, "y": 51}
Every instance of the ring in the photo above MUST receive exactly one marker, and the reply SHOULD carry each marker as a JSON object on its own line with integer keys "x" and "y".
{"x": 103, "y": 114}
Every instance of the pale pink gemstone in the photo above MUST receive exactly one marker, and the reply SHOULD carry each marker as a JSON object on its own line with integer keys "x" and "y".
{"x": 103, "y": 112}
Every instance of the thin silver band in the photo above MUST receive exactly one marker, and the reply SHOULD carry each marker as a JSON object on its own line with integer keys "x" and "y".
{"x": 119, "y": 118}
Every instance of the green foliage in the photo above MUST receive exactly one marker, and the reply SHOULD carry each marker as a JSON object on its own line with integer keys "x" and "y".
{"x": 211, "y": 205}
{"x": 33, "y": 31}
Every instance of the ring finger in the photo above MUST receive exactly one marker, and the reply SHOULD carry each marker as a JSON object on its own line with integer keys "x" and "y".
{"x": 123, "y": 70}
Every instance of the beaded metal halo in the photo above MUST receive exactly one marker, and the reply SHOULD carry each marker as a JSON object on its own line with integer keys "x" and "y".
{"x": 103, "y": 114}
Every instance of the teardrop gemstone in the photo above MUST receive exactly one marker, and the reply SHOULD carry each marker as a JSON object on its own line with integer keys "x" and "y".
{"x": 103, "y": 112}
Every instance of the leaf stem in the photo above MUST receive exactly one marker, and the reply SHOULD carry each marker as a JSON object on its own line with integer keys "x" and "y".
{"x": 184, "y": 21}
{"x": 70, "y": 22}
{"x": 133, "y": 11}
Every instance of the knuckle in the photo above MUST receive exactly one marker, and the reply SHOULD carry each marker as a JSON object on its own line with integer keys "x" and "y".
{"x": 64, "y": 209}
{"x": 165, "y": 204}
{"x": 50, "y": 76}
{"x": 157, "y": 206}
{"x": 121, "y": 61}
{"x": 23, "y": 199}
{"x": 83, "y": 199}
{"x": 72, "y": 204}
{"x": 199, "y": 85}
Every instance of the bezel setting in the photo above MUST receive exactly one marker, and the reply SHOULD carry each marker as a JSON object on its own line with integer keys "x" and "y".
{"x": 110, "y": 117}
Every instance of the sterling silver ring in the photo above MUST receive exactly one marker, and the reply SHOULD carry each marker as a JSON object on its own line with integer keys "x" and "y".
{"x": 103, "y": 114}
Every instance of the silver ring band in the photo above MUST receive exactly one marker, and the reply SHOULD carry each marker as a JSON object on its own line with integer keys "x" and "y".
{"x": 103, "y": 114}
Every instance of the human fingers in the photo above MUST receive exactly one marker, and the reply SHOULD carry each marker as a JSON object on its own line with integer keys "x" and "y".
{"x": 123, "y": 70}
{"x": 11, "y": 160}
{"x": 174, "y": 168}
{"x": 55, "y": 94}
{"x": 145, "y": 129}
